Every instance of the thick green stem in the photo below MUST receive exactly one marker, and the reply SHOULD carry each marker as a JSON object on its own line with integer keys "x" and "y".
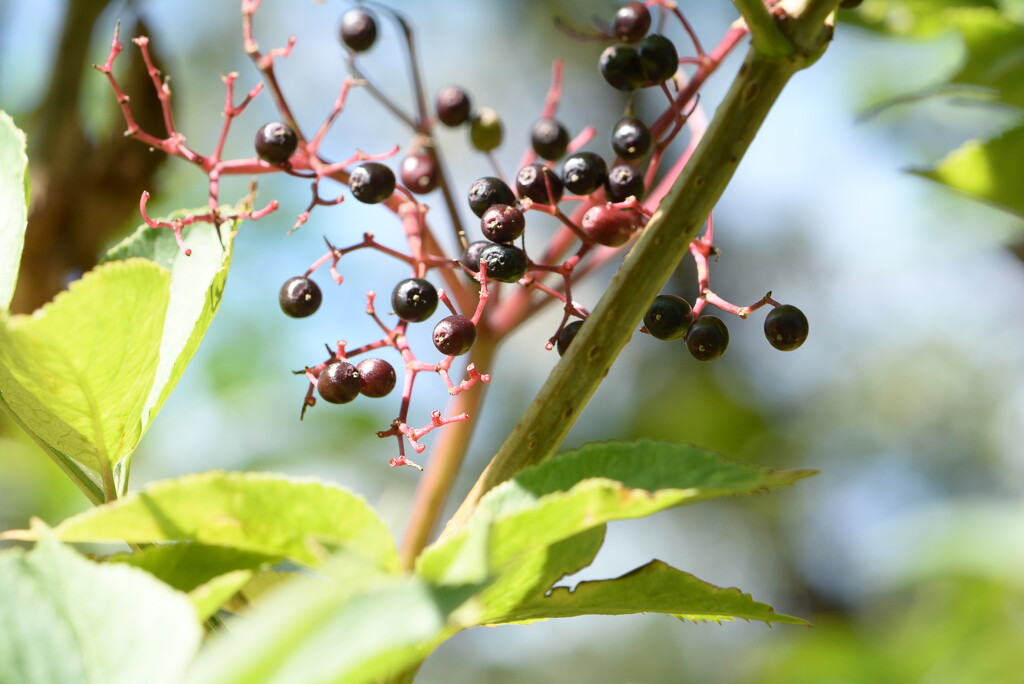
{"x": 656, "y": 255}
{"x": 765, "y": 33}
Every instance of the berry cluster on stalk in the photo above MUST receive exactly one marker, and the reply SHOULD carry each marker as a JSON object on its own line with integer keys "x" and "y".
{"x": 484, "y": 281}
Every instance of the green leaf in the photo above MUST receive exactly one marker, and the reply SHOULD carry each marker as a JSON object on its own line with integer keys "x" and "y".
{"x": 652, "y": 588}
{"x": 14, "y": 192}
{"x": 197, "y": 286}
{"x": 994, "y": 53}
{"x": 317, "y": 630}
{"x": 185, "y": 566}
{"x": 272, "y": 515}
{"x": 210, "y": 596}
{"x": 77, "y": 372}
{"x": 535, "y": 519}
{"x": 66, "y": 619}
{"x": 917, "y": 18}
{"x": 989, "y": 170}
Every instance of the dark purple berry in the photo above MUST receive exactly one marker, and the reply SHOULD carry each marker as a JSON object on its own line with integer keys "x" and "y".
{"x": 533, "y": 181}
{"x": 620, "y": 66}
{"x": 454, "y": 335}
{"x": 786, "y": 327}
{"x": 502, "y": 223}
{"x": 505, "y": 263}
{"x": 414, "y": 300}
{"x": 549, "y": 138}
{"x": 659, "y": 60}
{"x": 584, "y": 172}
{"x": 624, "y": 181}
{"x": 486, "y": 130}
{"x": 488, "y": 191}
{"x": 300, "y": 297}
{"x": 419, "y": 173}
{"x": 669, "y": 317}
{"x": 339, "y": 382}
{"x": 631, "y": 138}
{"x": 609, "y": 226}
{"x": 453, "y": 106}
{"x": 372, "y": 182}
{"x": 632, "y": 21}
{"x": 567, "y": 335}
{"x": 376, "y": 378}
{"x": 471, "y": 257}
{"x": 358, "y": 29}
{"x": 276, "y": 142}
{"x": 707, "y": 338}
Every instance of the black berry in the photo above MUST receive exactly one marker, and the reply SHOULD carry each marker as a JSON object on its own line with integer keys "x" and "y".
{"x": 485, "y": 192}
{"x": 471, "y": 257}
{"x": 358, "y": 29}
{"x": 609, "y": 226}
{"x": 658, "y": 58}
{"x": 502, "y": 223}
{"x": 567, "y": 335}
{"x": 300, "y": 297}
{"x": 376, "y": 378}
{"x": 584, "y": 172}
{"x": 631, "y": 138}
{"x": 505, "y": 263}
{"x": 276, "y": 142}
{"x": 632, "y": 21}
{"x": 549, "y": 138}
{"x": 707, "y": 338}
{"x": 620, "y": 67}
{"x": 533, "y": 181}
{"x": 453, "y": 106}
{"x": 486, "y": 130}
{"x": 624, "y": 181}
{"x": 414, "y": 300}
{"x": 419, "y": 173}
{"x": 339, "y": 382}
{"x": 454, "y": 335}
{"x": 372, "y": 182}
{"x": 786, "y": 327}
{"x": 668, "y": 317}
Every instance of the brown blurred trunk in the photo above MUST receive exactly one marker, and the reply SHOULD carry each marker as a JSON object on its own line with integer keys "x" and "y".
{"x": 83, "y": 192}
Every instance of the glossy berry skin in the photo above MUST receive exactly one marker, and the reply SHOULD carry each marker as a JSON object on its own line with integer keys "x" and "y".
{"x": 669, "y": 317}
{"x": 584, "y": 172}
{"x": 454, "y": 335}
{"x": 419, "y": 173}
{"x": 414, "y": 300}
{"x": 276, "y": 142}
{"x": 786, "y": 327}
{"x": 486, "y": 130}
{"x": 453, "y": 106}
{"x": 707, "y": 338}
{"x": 505, "y": 263}
{"x": 358, "y": 29}
{"x": 300, "y": 297}
{"x": 533, "y": 181}
{"x": 624, "y": 181}
{"x": 372, "y": 182}
{"x": 339, "y": 382}
{"x": 488, "y": 191}
{"x": 631, "y": 138}
{"x": 659, "y": 60}
{"x": 549, "y": 138}
{"x": 502, "y": 223}
{"x": 620, "y": 66}
{"x": 471, "y": 257}
{"x": 567, "y": 335}
{"x": 376, "y": 378}
{"x": 632, "y": 22}
{"x": 609, "y": 226}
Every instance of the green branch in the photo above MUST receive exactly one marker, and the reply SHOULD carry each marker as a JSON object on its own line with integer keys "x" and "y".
{"x": 766, "y": 36}
{"x": 649, "y": 265}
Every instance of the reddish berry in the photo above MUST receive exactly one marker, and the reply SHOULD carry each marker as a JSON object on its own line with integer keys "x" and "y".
{"x": 339, "y": 382}
{"x": 632, "y": 21}
{"x": 609, "y": 226}
{"x": 358, "y": 29}
{"x": 453, "y": 106}
{"x": 419, "y": 173}
{"x": 376, "y": 377}
{"x": 454, "y": 335}
{"x": 502, "y": 223}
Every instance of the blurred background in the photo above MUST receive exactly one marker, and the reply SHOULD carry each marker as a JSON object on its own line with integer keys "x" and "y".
{"x": 906, "y": 552}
